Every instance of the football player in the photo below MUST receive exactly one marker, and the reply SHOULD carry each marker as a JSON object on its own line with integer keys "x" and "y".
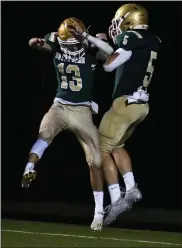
{"x": 134, "y": 62}
{"x": 72, "y": 109}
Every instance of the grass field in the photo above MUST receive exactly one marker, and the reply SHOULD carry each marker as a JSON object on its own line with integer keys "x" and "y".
{"x": 39, "y": 234}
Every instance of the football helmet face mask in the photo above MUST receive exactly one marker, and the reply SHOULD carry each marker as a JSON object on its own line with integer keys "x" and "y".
{"x": 68, "y": 43}
{"x": 127, "y": 17}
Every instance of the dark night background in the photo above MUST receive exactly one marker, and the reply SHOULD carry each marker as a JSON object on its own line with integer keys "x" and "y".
{"x": 28, "y": 88}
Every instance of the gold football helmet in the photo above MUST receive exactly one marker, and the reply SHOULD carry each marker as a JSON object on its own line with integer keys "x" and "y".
{"x": 68, "y": 43}
{"x": 127, "y": 17}
{"x": 63, "y": 32}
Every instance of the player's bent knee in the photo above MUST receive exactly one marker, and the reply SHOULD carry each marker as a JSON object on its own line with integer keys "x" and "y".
{"x": 97, "y": 162}
{"x": 117, "y": 150}
{"x": 105, "y": 154}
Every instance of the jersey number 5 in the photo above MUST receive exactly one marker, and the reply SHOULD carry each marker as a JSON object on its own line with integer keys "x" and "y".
{"x": 150, "y": 69}
{"x": 125, "y": 40}
{"x": 76, "y": 83}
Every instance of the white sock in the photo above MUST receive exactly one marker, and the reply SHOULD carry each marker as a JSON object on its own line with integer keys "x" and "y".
{"x": 99, "y": 199}
{"x": 29, "y": 166}
{"x": 129, "y": 180}
{"x": 114, "y": 191}
{"x": 39, "y": 147}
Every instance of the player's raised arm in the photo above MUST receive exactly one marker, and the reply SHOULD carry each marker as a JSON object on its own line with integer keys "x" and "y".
{"x": 100, "y": 54}
{"x": 39, "y": 44}
{"x": 100, "y": 44}
{"x": 49, "y": 42}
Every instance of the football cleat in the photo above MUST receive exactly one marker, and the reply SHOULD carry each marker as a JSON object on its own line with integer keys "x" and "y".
{"x": 28, "y": 177}
{"x": 97, "y": 223}
{"x": 113, "y": 211}
{"x": 132, "y": 196}
{"x": 121, "y": 205}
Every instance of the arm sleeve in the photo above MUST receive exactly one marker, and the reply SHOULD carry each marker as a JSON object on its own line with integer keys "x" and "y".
{"x": 123, "y": 56}
{"x": 99, "y": 53}
{"x": 100, "y": 44}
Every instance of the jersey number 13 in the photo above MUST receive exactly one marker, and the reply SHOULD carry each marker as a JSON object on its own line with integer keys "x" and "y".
{"x": 76, "y": 83}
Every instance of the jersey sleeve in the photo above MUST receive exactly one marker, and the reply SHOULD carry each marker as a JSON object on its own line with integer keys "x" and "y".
{"x": 129, "y": 40}
{"x": 51, "y": 41}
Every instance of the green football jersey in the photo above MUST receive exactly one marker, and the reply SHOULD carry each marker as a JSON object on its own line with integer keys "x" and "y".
{"x": 75, "y": 77}
{"x": 138, "y": 70}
